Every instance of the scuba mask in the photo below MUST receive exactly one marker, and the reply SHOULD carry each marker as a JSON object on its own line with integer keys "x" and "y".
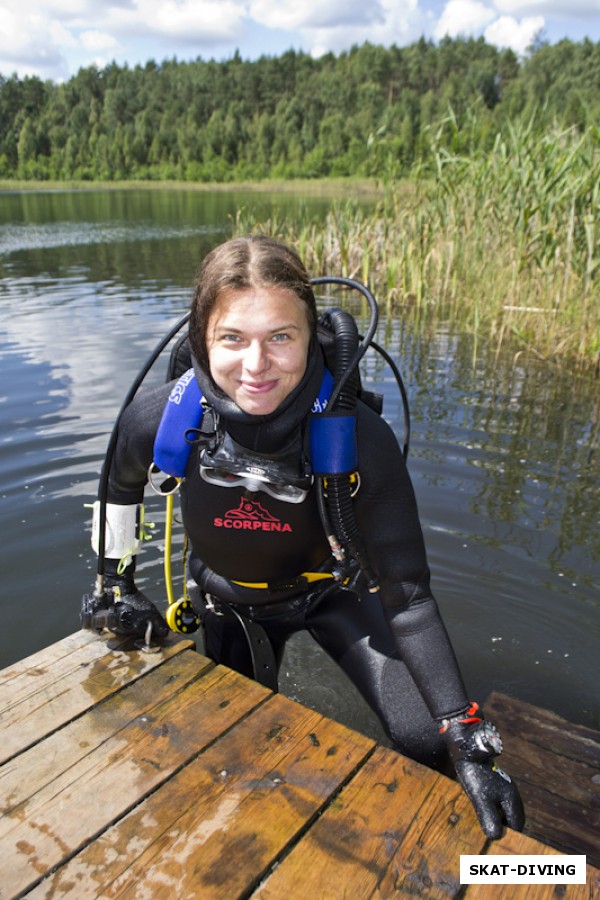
{"x": 283, "y": 477}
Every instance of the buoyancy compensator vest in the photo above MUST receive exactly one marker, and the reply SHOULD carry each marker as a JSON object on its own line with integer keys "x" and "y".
{"x": 333, "y": 444}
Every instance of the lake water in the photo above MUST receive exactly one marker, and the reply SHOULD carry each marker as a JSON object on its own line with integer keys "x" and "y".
{"x": 504, "y": 452}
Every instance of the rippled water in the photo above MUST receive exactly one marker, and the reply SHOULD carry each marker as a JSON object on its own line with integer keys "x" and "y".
{"x": 504, "y": 454}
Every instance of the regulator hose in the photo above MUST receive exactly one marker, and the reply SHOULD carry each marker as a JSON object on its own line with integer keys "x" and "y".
{"x": 336, "y": 489}
{"x": 345, "y": 374}
{"x": 112, "y": 444}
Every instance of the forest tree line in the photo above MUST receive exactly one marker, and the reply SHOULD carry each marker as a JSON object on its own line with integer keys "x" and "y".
{"x": 369, "y": 111}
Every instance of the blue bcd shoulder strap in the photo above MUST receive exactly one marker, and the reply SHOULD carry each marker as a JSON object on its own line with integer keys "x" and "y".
{"x": 332, "y": 437}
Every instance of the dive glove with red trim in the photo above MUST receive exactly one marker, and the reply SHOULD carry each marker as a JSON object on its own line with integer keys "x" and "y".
{"x": 472, "y": 744}
{"x": 122, "y": 609}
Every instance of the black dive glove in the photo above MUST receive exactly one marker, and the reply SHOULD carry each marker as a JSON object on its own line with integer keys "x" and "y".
{"x": 123, "y": 609}
{"x": 473, "y": 743}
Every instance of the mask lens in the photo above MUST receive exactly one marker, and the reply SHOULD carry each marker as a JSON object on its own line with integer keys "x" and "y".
{"x": 289, "y": 493}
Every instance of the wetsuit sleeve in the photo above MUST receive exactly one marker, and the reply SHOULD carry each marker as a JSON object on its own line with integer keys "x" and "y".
{"x": 389, "y": 522}
{"x": 135, "y": 445}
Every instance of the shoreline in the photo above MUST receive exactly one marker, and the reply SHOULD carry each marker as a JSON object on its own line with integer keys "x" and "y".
{"x": 311, "y": 186}
{"x": 418, "y": 259}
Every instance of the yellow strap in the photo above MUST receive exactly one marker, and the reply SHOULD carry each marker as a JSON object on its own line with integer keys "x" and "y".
{"x": 264, "y": 585}
{"x": 167, "y": 559}
{"x": 167, "y": 556}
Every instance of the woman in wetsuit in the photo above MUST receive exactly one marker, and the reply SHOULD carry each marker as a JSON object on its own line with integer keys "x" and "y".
{"x": 261, "y": 557}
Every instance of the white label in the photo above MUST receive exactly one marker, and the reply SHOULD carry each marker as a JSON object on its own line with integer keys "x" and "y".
{"x": 522, "y": 869}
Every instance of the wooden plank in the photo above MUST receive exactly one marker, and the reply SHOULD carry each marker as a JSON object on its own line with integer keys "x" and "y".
{"x": 220, "y": 822}
{"x": 115, "y": 777}
{"x": 66, "y": 747}
{"x": 146, "y": 776}
{"x": 398, "y": 827}
{"x": 515, "y": 844}
{"x": 538, "y": 725}
{"x": 556, "y": 765}
{"x": 39, "y": 661}
{"x": 565, "y": 826}
{"x": 77, "y": 652}
{"x": 50, "y": 690}
{"x": 428, "y": 860}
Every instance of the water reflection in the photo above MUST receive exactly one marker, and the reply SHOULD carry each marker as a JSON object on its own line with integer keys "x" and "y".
{"x": 506, "y": 467}
{"x": 504, "y": 451}
{"x": 138, "y": 237}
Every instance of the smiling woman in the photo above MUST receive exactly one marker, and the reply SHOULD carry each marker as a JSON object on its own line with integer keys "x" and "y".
{"x": 503, "y": 451}
{"x": 298, "y": 520}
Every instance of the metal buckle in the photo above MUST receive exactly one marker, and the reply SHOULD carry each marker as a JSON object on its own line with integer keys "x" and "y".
{"x": 211, "y": 605}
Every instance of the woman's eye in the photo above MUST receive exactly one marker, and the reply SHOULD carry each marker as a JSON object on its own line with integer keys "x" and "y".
{"x": 282, "y": 336}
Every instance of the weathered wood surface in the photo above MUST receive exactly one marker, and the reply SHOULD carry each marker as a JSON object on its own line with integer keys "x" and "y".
{"x": 42, "y": 693}
{"x": 133, "y": 775}
{"x": 557, "y": 766}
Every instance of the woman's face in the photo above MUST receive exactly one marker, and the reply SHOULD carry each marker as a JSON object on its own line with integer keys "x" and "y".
{"x": 257, "y": 341}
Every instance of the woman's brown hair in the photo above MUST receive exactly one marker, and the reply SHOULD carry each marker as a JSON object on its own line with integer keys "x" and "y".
{"x": 246, "y": 262}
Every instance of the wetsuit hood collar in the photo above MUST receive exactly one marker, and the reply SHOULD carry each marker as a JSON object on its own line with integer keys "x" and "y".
{"x": 272, "y": 432}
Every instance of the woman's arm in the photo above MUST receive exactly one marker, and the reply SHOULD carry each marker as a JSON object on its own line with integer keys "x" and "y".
{"x": 388, "y": 518}
{"x": 389, "y": 522}
{"x": 116, "y": 603}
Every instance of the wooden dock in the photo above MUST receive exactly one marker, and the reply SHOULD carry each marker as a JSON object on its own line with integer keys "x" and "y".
{"x": 557, "y": 766}
{"x": 127, "y": 774}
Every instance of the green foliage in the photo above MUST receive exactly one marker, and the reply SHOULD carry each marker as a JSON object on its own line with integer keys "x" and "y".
{"x": 369, "y": 111}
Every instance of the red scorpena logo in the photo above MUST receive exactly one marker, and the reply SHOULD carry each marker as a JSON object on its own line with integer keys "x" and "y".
{"x": 251, "y": 516}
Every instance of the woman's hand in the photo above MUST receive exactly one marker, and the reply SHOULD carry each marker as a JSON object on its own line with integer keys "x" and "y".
{"x": 473, "y": 744}
{"x": 494, "y": 796}
{"x": 122, "y": 609}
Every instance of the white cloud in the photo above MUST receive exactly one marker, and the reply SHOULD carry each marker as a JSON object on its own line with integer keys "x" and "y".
{"x": 191, "y": 21}
{"x": 29, "y": 43}
{"x": 98, "y": 41}
{"x": 507, "y": 32}
{"x": 582, "y": 8}
{"x": 60, "y": 35}
{"x": 7, "y": 23}
{"x": 316, "y": 14}
{"x": 328, "y": 25}
{"x": 471, "y": 17}
{"x": 463, "y": 17}
{"x": 53, "y": 38}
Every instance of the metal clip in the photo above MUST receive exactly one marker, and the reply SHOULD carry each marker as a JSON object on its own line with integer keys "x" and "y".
{"x": 211, "y": 605}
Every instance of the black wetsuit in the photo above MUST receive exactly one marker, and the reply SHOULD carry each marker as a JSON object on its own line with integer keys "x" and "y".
{"x": 392, "y": 644}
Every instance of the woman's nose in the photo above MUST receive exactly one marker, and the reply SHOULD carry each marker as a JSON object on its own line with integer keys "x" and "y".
{"x": 256, "y": 359}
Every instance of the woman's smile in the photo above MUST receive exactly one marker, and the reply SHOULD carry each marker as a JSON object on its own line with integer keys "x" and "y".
{"x": 259, "y": 387}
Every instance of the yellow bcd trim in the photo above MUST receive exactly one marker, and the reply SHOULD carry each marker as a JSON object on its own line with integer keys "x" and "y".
{"x": 264, "y": 585}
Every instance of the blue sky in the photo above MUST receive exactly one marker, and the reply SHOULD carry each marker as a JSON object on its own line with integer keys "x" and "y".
{"x": 54, "y": 38}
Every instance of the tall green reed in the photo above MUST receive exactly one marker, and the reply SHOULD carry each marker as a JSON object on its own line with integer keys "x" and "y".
{"x": 502, "y": 243}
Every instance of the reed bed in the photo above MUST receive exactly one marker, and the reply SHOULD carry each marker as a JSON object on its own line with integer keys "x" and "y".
{"x": 503, "y": 244}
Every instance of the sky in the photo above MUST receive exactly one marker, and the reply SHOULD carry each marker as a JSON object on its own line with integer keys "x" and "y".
{"x": 55, "y": 38}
